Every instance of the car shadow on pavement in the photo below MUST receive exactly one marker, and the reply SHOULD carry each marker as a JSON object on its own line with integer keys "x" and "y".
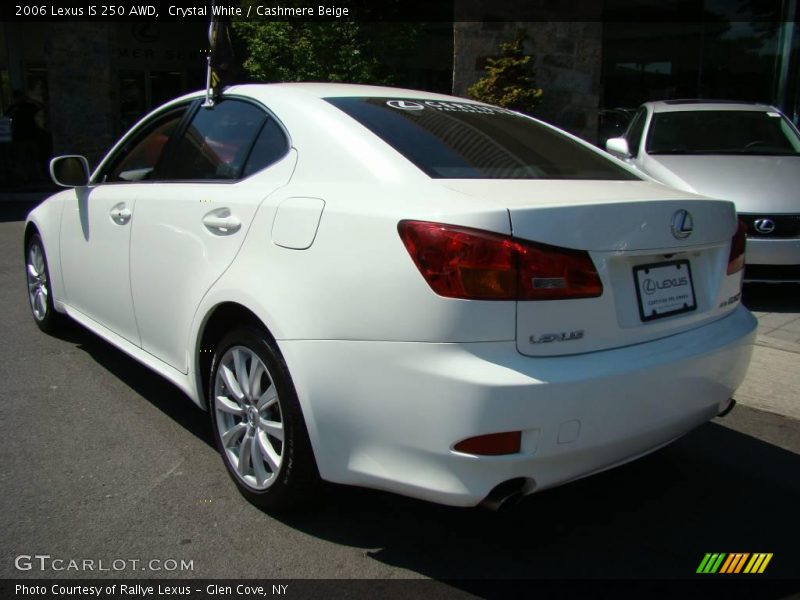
{"x": 772, "y": 297}
{"x": 716, "y": 490}
{"x": 163, "y": 395}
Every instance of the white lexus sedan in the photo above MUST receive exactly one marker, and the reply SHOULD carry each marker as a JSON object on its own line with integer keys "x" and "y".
{"x": 398, "y": 289}
{"x": 744, "y": 152}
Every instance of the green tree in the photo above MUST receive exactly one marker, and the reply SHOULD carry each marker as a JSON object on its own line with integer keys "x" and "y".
{"x": 322, "y": 51}
{"x": 510, "y": 79}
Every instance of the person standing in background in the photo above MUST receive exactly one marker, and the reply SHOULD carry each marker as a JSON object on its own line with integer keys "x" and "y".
{"x": 26, "y": 137}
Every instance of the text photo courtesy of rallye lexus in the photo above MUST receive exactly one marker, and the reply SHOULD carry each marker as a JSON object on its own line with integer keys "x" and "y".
{"x": 399, "y": 290}
{"x": 740, "y": 151}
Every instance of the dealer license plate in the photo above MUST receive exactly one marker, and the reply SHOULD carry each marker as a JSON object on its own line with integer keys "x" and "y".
{"x": 664, "y": 289}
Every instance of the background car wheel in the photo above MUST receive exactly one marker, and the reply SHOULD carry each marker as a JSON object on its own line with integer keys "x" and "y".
{"x": 40, "y": 294}
{"x": 257, "y": 422}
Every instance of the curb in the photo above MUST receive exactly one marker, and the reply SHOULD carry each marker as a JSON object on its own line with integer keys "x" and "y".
{"x": 777, "y": 344}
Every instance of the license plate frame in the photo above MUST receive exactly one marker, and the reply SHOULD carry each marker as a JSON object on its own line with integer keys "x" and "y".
{"x": 661, "y": 298}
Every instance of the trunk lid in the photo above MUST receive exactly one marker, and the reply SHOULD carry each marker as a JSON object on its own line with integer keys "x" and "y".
{"x": 626, "y": 226}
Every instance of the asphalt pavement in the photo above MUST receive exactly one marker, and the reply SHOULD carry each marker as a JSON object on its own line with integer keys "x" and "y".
{"x": 102, "y": 460}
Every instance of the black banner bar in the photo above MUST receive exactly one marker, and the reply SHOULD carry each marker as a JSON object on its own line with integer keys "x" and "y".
{"x": 738, "y": 588}
{"x": 395, "y": 10}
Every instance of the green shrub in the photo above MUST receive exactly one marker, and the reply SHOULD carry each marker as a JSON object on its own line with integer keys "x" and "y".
{"x": 510, "y": 79}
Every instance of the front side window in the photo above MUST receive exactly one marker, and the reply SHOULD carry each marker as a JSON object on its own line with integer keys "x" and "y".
{"x": 137, "y": 159}
{"x": 217, "y": 142}
{"x": 635, "y": 130}
{"x": 454, "y": 140}
{"x": 722, "y": 132}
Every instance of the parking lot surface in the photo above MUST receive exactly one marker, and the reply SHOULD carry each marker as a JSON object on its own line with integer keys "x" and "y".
{"x": 101, "y": 459}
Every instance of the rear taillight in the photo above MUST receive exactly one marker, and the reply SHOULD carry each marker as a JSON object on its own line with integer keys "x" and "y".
{"x": 553, "y": 273}
{"x": 736, "y": 257}
{"x": 460, "y": 262}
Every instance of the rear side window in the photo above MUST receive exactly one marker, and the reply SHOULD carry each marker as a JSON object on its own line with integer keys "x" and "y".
{"x": 217, "y": 143}
{"x": 472, "y": 141}
{"x": 271, "y": 145}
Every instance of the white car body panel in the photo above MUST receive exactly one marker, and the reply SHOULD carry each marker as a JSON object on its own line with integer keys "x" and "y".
{"x": 390, "y": 375}
{"x": 414, "y": 396}
{"x": 95, "y": 256}
{"x": 296, "y": 222}
{"x": 172, "y": 249}
{"x": 632, "y": 213}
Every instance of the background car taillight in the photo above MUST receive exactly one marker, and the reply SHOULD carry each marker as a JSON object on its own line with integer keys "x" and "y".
{"x": 461, "y": 262}
{"x": 738, "y": 243}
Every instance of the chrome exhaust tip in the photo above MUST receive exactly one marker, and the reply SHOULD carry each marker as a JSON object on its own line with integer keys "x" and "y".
{"x": 507, "y": 494}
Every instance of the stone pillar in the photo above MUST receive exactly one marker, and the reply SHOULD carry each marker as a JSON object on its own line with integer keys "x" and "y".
{"x": 568, "y": 66}
{"x": 82, "y": 88}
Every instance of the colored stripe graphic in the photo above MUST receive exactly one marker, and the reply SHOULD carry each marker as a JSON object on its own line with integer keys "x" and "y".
{"x": 737, "y": 562}
{"x": 703, "y": 563}
{"x": 758, "y": 563}
{"x": 727, "y": 564}
{"x": 718, "y": 562}
{"x": 741, "y": 562}
{"x": 721, "y": 562}
{"x": 711, "y": 562}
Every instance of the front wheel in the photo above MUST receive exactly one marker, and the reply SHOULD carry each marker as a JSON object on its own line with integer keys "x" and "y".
{"x": 257, "y": 422}
{"x": 40, "y": 292}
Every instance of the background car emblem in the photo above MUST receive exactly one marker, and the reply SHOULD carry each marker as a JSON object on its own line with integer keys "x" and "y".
{"x": 764, "y": 225}
{"x": 405, "y": 104}
{"x": 682, "y": 224}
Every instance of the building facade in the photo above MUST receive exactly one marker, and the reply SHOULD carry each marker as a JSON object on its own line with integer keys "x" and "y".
{"x": 615, "y": 54}
{"x": 88, "y": 82}
{"x": 92, "y": 80}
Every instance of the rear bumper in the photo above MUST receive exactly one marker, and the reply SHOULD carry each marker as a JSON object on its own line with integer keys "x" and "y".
{"x": 386, "y": 414}
{"x": 765, "y": 251}
{"x": 772, "y": 260}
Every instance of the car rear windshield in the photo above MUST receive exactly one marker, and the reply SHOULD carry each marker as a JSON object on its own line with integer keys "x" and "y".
{"x": 722, "y": 132}
{"x": 450, "y": 140}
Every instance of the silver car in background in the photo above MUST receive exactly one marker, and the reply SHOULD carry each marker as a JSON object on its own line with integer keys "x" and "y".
{"x": 744, "y": 152}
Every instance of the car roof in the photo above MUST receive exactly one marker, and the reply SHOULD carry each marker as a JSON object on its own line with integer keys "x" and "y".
{"x": 661, "y": 106}
{"x": 327, "y": 90}
{"x": 331, "y": 90}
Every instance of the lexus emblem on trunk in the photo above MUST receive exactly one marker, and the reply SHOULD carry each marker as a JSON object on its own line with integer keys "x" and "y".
{"x": 682, "y": 224}
{"x": 764, "y": 225}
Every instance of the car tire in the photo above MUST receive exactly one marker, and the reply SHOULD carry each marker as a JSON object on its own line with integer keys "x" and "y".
{"x": 257, "y": 422}
{"x": 40, "y": 291}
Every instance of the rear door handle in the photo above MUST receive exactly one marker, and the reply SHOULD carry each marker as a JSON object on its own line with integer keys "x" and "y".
{"x": 120, "y": 214}
{"x": 222, "y": 222}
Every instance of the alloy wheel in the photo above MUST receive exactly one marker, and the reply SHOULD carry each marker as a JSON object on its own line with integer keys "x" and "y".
{"x": 248, "y": 417}
{"x": 37, "y": 281}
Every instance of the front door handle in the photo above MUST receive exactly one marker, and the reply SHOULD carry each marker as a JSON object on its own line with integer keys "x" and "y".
{"x": 120, "y": 214}
{"x": 222, "y": 222}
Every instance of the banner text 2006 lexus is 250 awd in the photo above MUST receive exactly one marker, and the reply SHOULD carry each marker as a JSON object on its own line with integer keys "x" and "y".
{"x": 397, "y": 289}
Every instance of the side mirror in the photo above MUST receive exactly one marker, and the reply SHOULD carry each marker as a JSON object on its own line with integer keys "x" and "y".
{"x": 69, "y": 171}
{"x": 618, "y": 147}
